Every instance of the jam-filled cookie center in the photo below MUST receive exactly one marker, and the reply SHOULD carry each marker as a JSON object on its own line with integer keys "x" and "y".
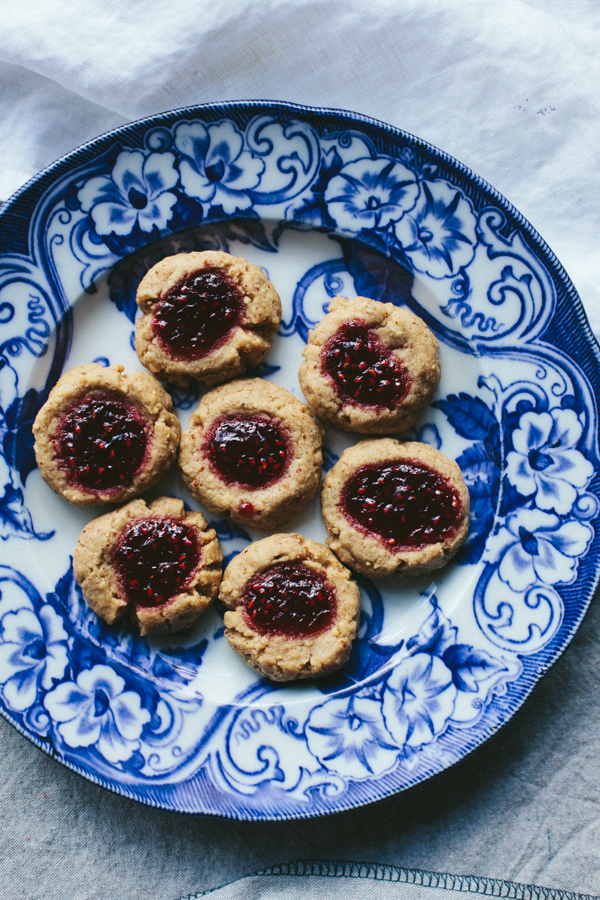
{"x": 197, "y": 315}
{"x": 252, "y": 451}
{"x": 289, "y": 599}
{"x": 404, "y": 504}
{"x": 364, "y": 371}
{"x": 101, "y": 441}
{"x": 155, "y": 558}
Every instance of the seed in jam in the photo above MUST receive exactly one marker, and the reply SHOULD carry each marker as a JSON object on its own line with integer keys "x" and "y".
{"x": 154, "y": 559}
{"x": 289, "y": 599}
{"x": 363, "y": 369}
{"x": 252, "y": 451}
{"x": 197, "y": 315}
{"x": 404, "y": 503}
{"x": 101, "y": 441}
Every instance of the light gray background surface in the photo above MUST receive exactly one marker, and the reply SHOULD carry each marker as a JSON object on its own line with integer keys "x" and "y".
{"x": 525, "y": 807}
{"x": 512, "y": 89}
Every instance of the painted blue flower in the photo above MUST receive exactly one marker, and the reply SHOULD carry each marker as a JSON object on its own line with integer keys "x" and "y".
{"x": 535, "y": 546}
{"x": 217, "y": 170}
{"x": 371, "y": 193}
{"x": 545, "y": 462}
{"x": 96, "y": 710}
{"x": 418, "y": 700}
{"x": 138, "y": 190}
{"x": 33, "y": 653}
{"x": 439, "y": 234}
{"x": 349, "y": 737}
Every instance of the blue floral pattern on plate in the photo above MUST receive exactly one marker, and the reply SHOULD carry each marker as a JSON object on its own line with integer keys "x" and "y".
{"x": 326, "y": 202}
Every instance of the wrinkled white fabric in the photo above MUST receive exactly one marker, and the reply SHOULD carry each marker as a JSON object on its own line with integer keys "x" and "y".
{"x": 511, "y": 88}
{"x": 508, "y": 87}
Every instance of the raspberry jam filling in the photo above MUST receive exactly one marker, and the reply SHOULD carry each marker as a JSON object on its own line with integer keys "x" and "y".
{"x": 252, "y": 451}
{"x": 101, "y": 441}
{"x": 154, "y": 559}
{"x": 198, "y": 314}
{"x": 364, "y": 371}
{"x": 289, "y": 599}
{"x": 404, "y": 504}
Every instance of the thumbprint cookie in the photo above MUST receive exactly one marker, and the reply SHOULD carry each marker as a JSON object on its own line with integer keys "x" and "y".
{"x": 253, "y": 451}
{"x": 156, "y": 564}
{"x": 393, "y": 508}
{"x": 206, "y": 316}
{"x": 104, "y": 437}
{"x": 292, "y": 608}
{"x": 369, "y": 367}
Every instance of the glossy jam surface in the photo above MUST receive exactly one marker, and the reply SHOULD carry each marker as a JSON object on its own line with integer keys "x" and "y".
{"x": 198, "y": 314}
{"x": 405, "y": 504}
{"x": 364, "y": 371}
{"x": 101, "y": 441}
{"x": 289, "y": 599}
{"x": 252, "y": 451}
{"x": 154, "y": 559}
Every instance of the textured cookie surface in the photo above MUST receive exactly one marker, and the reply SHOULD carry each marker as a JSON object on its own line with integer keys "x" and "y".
{"x": 394, "y": 508}
{"x": 292, "y": 608}
{"x": 369, "y": 367}
{"x": 155, "y": 562}
{"x": 252, "y": 450}
{"x": 206, "y": 316}
{"x": 104, "y": 437}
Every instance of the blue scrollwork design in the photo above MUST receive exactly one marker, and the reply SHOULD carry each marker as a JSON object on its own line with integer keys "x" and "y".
{"x": 397, "y": 222}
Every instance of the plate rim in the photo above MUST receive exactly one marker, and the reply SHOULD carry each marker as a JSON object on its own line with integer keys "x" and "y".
{"x": 75, "y": 157}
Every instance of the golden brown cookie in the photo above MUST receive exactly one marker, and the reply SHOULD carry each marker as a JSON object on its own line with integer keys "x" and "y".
{"x": 157, "y": 562}
{"x": 394, "y": 508}
{"x": 252, "y": 450}
{"x": 369, "y": 367}
{"x": 104, "y": 437}
{"x": 293, "y": 608}
{"x": 206, "y": 316}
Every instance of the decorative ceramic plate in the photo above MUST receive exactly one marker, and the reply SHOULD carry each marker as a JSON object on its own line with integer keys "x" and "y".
{"x": 327, "y": 203}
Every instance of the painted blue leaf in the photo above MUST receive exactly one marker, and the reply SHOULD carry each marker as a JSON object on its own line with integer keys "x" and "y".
{"x": 228, "y": 531}
{"x": 185, "y": 397}
{"x": 67, "y": 594}
{"x": 85, "y": 655}
{"x": 15, "y": 518}
{"x": 122, "y": 286}
{"x": 313, "y": 211}
{"x": 192, "y": 654}
{"x": 511, "y": 499}
{"x": 186, "y": 213}
{"x": 435, "y": 635}
{"x": 17, "y": 443}
{"x": 135, "y": 763}
{"x": 179, "y": 664}
{"x": 472, "y": 550}
{"x": 139, "y": 653}
{"x": 123, "y": 245}
{"x": 71, "y": 197}
{"x": 329, "y": 459}
{"x": 470, "y": 666}
{"x": 163, "y": 669}
{"x": 227, "y": 557}
{"x": 482, "y": 477}
{"x": 476, "y": 458}
{"x": 262, "y": 370}
{"x": 375, "y": 274}
{"x": 469, "y": 416}
{"x": 250, "y": 230}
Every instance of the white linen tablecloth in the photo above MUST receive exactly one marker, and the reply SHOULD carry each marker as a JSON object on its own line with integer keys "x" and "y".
{"x": 511, "y": 88}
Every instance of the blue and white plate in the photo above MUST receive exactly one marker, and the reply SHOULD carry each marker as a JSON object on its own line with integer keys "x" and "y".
{"x": 327, "y": 203}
